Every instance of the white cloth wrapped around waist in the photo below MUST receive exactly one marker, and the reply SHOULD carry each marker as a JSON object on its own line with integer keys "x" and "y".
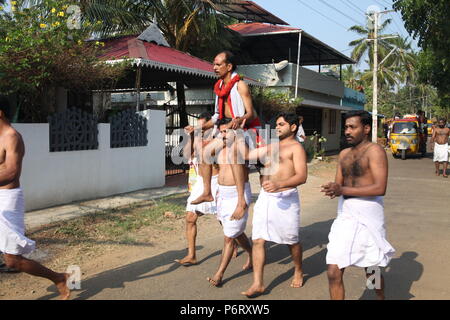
{"x": 276, "y": 217}
{"x": 227, "y": 200}
{"x": 358, "y": 235}
{"x": 12, "y": 225}
{"x": 197, "y": 190}
{"x": 440, "y": 153}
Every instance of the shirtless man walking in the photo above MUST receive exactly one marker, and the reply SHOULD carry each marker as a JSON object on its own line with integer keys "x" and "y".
{"x": 233, "y": 223}
{"x": 13, "y": 242}
{"x": 276, "y": 215}
{"x": 439, "y": 145}
{"x": 357, "y": 236}
{"x": 191, "y": 153}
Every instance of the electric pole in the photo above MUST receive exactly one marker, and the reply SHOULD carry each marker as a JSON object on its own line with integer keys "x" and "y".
{"x": 376, "y": 17}
{"x": 375, "y": 79}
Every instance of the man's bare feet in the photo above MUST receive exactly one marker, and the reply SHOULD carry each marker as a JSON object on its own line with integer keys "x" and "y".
{"x": 297, "y": 281}
{"x": 186, "y": 261}
{"x": 215, "y": 281}
{"x": 64, "y": 291}
{"x": 254, "y": 291}
{"x": 248, "y": 265}
{"x": 438, "y": 173}
{"x": 203, "y": 198}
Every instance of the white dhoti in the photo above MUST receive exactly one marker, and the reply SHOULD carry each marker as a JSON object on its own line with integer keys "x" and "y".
{"x": 197, "y": 190}
{"x": 227, "y": 199}
{"x": 440, "y": 152}
{"x": 358, "y": 236}
{"x": 12, "y": 225}
{"x": 276, "y": 217}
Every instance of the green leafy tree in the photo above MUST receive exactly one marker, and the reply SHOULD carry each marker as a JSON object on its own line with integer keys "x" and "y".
{"x": 429, "y": 21}
{"x": 39, "y": 52}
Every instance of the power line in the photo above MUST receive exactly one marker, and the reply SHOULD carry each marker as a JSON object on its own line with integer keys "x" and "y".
{"x": 358, "y": 8}
{"x": 318, "y": 12}
{"x": 383, "y": 5}
{"x": 349, "y": 4}
{"x": 344, "y": 14}
{"x": 389, "y": 4}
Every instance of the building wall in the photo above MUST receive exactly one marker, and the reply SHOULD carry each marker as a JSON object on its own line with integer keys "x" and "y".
{"x": 54, "y": 178}
{"x": 333, "y": 139}
{"x": 308, "y": 79}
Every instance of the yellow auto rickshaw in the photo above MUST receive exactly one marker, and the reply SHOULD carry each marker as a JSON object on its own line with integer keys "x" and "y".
{"x": 405, "y": 138}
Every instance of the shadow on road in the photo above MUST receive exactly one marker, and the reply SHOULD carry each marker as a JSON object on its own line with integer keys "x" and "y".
{"x": 116, "y": 278}
{"x": 399, "y": 277}
{"x": 311, "y": 236}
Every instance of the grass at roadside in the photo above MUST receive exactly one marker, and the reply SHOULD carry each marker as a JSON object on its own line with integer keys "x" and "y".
{"x": 117, "y": 225}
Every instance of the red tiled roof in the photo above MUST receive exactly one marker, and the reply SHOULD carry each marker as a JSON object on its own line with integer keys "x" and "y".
{"x": 258, "y": 28}
{"x": 155, "y": 55}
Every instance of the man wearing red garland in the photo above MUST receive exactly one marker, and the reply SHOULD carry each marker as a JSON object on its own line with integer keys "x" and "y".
{"x": 233, "y": 100}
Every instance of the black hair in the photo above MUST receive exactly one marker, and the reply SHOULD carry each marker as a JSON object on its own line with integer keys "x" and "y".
{"x": 230, "y": 58}
{"x": 290, "y": 118}
{"x": 205, "y": 115}
{"x": 4, "y": 106}
{"x": 223, "y": 121}
{"x": 364, "y": 116}
{"x": 443, "y": 119}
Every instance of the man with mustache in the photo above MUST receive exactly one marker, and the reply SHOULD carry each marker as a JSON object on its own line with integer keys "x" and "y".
{"x": 439, "y": 142}
{"x": 357, "y": 236}
{"x": 233, "y": 102}
{"x": 227, "y": 198}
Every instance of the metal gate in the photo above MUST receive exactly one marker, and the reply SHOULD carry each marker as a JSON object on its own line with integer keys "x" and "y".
{"x": 173, "y": 139}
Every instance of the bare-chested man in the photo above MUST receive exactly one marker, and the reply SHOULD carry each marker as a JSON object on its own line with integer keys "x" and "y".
{"x": 439, "y": 145}
{"x": 234, "y": 102}
{"x": 13, "y": 242}
{"x": 276, "y": 215}
{"x": 357, "y": 236}
{"x": 193, "y": 146}
{"x": 233, "y": 222}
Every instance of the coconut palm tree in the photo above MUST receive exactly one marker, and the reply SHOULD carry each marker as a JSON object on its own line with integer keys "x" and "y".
{"x": 352, "y": 78}
{"x": 364, "y": 47}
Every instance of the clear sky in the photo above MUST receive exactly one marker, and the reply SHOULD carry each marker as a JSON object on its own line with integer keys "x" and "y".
{"x": 329, "y": 20}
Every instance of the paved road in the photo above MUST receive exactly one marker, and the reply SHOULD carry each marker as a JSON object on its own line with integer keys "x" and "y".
{"x": 417, "y": 217}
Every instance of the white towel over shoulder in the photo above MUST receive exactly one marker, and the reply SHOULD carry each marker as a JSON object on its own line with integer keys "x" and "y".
{"x": 440, "y": 152}
{"x": 358, "y": 236}
{"x": 276, "y": 217}
{"x": 12, "y": 225}
{"x": 227, "y": 199}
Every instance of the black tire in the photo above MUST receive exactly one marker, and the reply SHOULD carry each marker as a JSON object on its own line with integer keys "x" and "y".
{"x": 403, "y": 154}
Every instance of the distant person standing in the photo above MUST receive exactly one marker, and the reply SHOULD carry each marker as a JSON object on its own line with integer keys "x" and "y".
{"x": 439, "y": 145}
{"x": 422, "y": 119}
{"x": 301, "y": 132}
